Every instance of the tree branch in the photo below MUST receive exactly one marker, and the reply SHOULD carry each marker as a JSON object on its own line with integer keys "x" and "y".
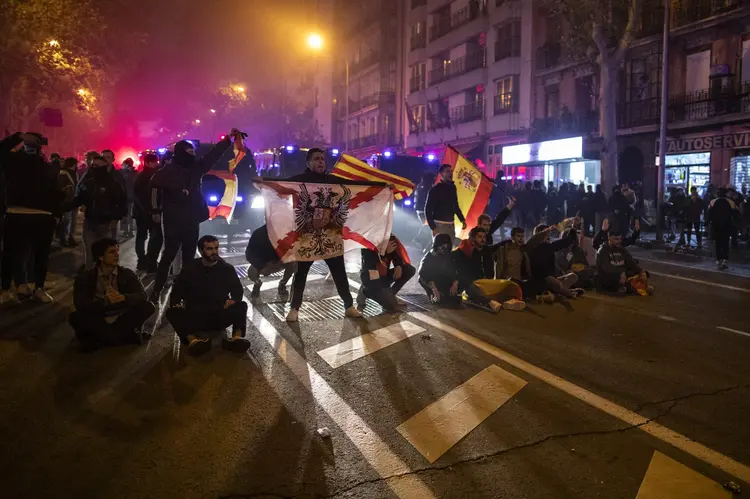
{"x": 600, "y": 40}
{"x": 634, "y": 15}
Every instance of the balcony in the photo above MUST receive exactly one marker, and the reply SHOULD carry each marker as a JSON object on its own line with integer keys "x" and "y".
{"x": 416, "y": 83}
{"x": 467, "y": 113}
{"x": 362, "y": 142}
{"x": 417, "y": 42}
{"x": 693, "y": 106}
{"x": 456, "y": 67}
{"x": 378, "y": 98}
{"x": 684, "y": 12}
{"x": 506, "y": 103}
{"x": 548, "y": 55}
{"x": 504, "y": 49}
{"x": 566, "y": 125}
{"x": 419, "y": 126}
{"x": 445, "y": 25}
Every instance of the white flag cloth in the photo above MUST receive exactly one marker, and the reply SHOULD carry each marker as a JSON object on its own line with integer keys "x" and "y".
{"x": 308, "y": 222}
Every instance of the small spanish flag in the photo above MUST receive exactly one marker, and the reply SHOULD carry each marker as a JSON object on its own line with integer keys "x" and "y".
{"x": 472, "y": 186}
{"x": 353, "y": 169}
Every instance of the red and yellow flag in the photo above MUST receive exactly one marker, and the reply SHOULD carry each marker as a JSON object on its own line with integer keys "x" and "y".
{"x": 353, "y": 169}
{"x": 473, "y": 189}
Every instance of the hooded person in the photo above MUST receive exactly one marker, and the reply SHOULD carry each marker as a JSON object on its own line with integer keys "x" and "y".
{"x": 183, "y": 207}
{"x": 384, "y": 275}
{"x": 437, "y": 272}
{"x": 618, "y": 271}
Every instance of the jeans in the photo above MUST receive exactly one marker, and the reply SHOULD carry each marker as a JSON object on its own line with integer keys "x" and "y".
{"x": 338, "y": 272}
{"x": 561, "y": 285}
{"x": 66, "y": 228}
{"x": 175, "y": 239}
{"x": 26, "y": 236}
{"x": 187, "y": 322}
{"x": 148, "y": 255}
{"x": 92, "y": 232}
{"x": 93, "y": 329}
{"x": 384, "y": 289}
{"x": 698, "y": 234}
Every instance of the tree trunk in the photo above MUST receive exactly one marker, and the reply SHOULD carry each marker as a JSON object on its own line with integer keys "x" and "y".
{"x": 608, "y": 121}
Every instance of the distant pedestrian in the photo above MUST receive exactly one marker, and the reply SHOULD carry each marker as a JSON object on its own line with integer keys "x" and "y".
{"x": 129, "y": 173}
{"x": 148, "y": 221}
{"x": 722, "y": 213}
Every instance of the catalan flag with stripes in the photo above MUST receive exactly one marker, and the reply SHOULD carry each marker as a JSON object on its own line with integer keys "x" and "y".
{"x": 354, "y": 169}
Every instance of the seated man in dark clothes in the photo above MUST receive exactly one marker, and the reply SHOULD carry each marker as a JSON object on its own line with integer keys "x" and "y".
{"x": 512, "y": 261}
{"x": 380, "y": 282}
{"x": 573, "y": 259}
{"x": 618, "y": 271}
{"x": 476, "y": 276}
{"x": 437, "y": 274}
{"x": 601, "y": 236}
{"x": 543, "y": 265}
{"x": 206, "y": 296}
{"x": 111, "y": 304}
{"x": 264, "y": 261}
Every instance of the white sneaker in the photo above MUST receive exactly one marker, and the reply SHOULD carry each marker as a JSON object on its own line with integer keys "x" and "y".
{"x": 7, "y": 297}
{"x": 517, "y": 305}
{"x": 353, "y": 313}
{"x": 293, "y": 315}
{"x": 496, "y": 306}
{"x": 42, "y": 296}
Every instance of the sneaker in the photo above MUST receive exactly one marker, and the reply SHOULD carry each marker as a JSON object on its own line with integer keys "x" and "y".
{"x": 256, "y": 290}
{"x": 42, "y": 296}
{"x": 361, "y": 299}
{"x": 515, "y": 305}
{"x": 496, "y": 306}
{"x": 293, "y": 315}
{"x": 7, "y": 297}
{"x": 578, "y": 292}
{"x": 548, "y": 297}
{"x": 353, "y": 313}
{"x": 237, "y": 345}
{"x": 199, "y": 346}
{"x": 723, "y": 265}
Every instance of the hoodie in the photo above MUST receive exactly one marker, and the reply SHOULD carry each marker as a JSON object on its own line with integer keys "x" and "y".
{"x": 472, "y": 263}
{"x": 442, "y": 204}
{"x": 438, "y": 268}
{"x": 611, "y": 261}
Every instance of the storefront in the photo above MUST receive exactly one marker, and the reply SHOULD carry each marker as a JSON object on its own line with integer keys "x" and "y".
{"x": 556, "y": 161}
{"x": 685, "y": 171}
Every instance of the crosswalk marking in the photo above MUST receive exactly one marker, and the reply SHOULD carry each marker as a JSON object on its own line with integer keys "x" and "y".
{"x": 375, "y": 451}
{"x": 361, "y": 346}
{"x": 442, "y": 424}
{"x": 695, "y": 449}
{"x": 667, "y": 479}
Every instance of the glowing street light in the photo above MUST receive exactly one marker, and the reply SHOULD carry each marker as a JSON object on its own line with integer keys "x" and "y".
{"x": 54, "y": 43}
{"x": 314, "y": 41}
{"x": 197, "y": 122}
{"x": 82, "y": 92}
{"x": 213, "y": 111}
{"x": 239, "y": 88}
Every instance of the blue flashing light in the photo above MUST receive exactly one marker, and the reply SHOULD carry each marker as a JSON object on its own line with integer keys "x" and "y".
{"x": 289, "y": 148}
{"x": 407, "y": 202}
{"x": 239, "y": 199}
{"x": 335, "y": 152}
{"x": 162, "y": 150}
{"x": 213, "y": 199}
{"x": 387, "y": 154}
{"x": 430, "y": 157}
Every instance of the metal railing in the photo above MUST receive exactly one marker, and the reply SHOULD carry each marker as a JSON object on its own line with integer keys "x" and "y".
{"x": 684, "y": 12}
{"x": 466, "y": 113}
{"x": 459, "y": 66}
{"x": 446, "y": 24}
{"x": 418, "y": 42}
{"x": 506, "y": 103}
{"x": 549, "y": 55}
{"x": 416, "y": 83}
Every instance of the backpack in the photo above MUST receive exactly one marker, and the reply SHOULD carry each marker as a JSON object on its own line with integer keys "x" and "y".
{"x": 106, "y": 200}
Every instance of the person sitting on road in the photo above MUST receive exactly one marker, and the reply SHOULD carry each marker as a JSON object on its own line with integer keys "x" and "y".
{"x": 601, "y": 236}
{"x": 573, "y": 259}
{"x": 618, "y": 271}
{"x": 437, "y": 274}
{"x": 264, "y": 261}
{"x": 476, "y": 276}
{"x": 110, "y": 303}
{"x": 207, "y": 296}
{"x": 384, "y": 275}
{"x": 542, "y": 258}
{"x": 512, "y": 261}
{"x": 491, "y": 225}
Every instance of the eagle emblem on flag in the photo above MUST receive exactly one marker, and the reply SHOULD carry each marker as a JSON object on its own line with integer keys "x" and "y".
{"x": 322, "y": 214}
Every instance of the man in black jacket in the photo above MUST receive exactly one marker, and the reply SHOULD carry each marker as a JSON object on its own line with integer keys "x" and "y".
{"x": 183, "y": 207}
{"x": 103, "y": 199}
{"x": 437, "y": 273}
{"x": 34, "y": 201}
{"x": 148, "y": 222}
{"x": 384, "y": 275}
{"x": 442, "y": 204}
{"x": 264, "y": 261}
{"x": 110, "y": 302}
{"x": 722, "y": 215}
{"x": 601, "y": 235}
{"x": 206, "y": 296}
{"x": 543, "y": 264}
{"x": 616, "y": 267}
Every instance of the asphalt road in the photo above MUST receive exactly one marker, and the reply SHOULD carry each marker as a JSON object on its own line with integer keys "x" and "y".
{"x": 602, "y": 397}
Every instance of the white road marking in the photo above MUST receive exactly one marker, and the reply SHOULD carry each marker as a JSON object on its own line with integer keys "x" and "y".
{"x": 668, "y": 479}
{"x": 375, "y": 451}
{"x": 364, "y": 345}
{"x": 667, "y": 318}
{"x": 442, "y": 424}
{"x": 699, "y": 281}
{"x": 735, "y": 331}
{"x": 695, "y": 449}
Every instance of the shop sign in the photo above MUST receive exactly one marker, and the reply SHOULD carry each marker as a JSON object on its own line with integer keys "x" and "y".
{"x": 551, "y": 150}
{"x": 737, "y": 140}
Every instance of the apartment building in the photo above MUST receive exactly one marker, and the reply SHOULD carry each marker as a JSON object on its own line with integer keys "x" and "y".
{"x": 468, "y": 77}
{"x": 370, "y": 46}
{"x": 709, "y": 96}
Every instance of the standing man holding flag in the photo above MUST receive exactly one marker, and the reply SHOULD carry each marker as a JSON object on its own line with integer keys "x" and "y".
{"x": 442, "y": 205}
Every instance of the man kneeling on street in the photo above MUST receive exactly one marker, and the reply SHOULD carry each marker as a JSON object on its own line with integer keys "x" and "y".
{"x": 110, "y": 302}
{"x": 476, "y": 276}
{"x": 380, "y": 282}
{"x": 264, "y": 261}
{"x": 207, "y": 296}
{"x": 617, "y": 269}
{"x": 437, "y": 274}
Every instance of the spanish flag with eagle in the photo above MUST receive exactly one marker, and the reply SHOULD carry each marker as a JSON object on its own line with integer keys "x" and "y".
{"x": 472, "y": 186}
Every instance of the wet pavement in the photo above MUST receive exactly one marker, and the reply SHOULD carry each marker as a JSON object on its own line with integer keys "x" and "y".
{"x": 602, "y": 397}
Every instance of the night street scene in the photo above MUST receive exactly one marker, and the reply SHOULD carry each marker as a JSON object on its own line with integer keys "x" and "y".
{"x": 355, "y": 249}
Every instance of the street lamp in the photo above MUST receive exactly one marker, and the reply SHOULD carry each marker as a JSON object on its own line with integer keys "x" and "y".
{"x": 197, "y": 122}
{"x": 315, "y": 42}
{"x": 213, "y": 111}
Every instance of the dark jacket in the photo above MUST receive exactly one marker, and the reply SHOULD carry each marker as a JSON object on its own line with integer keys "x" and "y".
{"x": 601, "y": 237}
{"x": 543, "y": 255}
{"x": 555, "y": 208}
{"x": 178, "y": 209}
{"x": 496, "y": 223}
{"x": 103, "y": 196}
{"x": 614, "y": 261}
{"x": 84, "y": 292}
{"x": 501, "y": 257}
{"x": 259, "y": 251}
{"x": 143, "y": 195}
{"x": 694, "y": 209}
{"x": 437, "y": 268}
{"x": 472, "y": 264}
{"x": 442, "y": 204}
{"x": 206, "y": 288}
{"x": 371, "y": 260}
{"x": 722, "y": 213}
{"x": 67, "y": 184}
{"x": 30, "y": 181}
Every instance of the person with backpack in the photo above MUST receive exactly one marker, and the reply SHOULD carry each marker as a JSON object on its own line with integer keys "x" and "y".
{"x": 68, "y": 181}
{"x": 148, "y": 221}
{"x": 105, "y": 203}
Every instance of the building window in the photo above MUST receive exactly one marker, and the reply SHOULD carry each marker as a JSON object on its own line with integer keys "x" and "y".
{"x": 508, "y": 42}
{"x": 418, "y": 36}
{"x": 698, "y": 67}
{"x": 417, "y": 80}
{"x": 585, "y": 94}
{"x": 506, "y": 100}
{"x": 552, "y": 101}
